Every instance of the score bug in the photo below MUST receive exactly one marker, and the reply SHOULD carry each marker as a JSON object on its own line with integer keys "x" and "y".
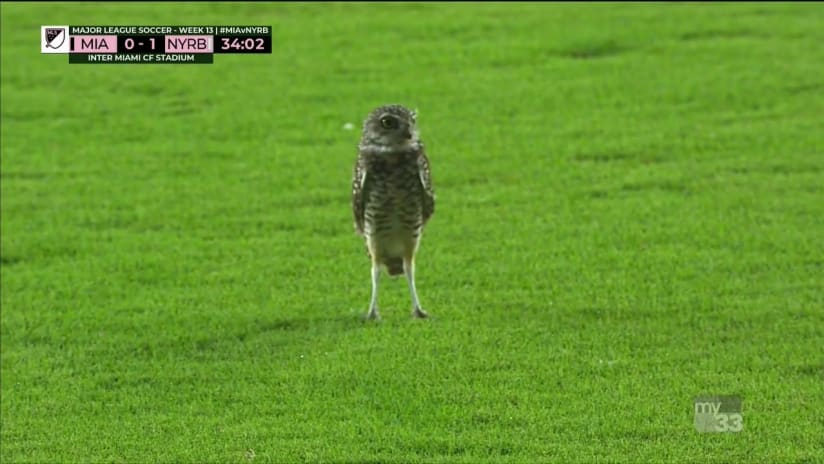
{"x": 94, "y": 44}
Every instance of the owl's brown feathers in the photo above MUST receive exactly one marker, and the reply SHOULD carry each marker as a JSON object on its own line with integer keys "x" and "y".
{"x": 360, "y": 186}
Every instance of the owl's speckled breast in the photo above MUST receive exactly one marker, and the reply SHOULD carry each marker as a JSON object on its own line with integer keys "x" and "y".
{"x": 394, "y": 204}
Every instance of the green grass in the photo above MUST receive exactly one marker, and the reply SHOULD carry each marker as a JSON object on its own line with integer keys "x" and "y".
{"x": 629, "y": 215}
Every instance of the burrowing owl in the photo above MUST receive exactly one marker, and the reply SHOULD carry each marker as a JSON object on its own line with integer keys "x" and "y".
{"x": 392, "y": 196}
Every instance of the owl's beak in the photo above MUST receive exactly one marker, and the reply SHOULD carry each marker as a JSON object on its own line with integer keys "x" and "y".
{"x": 407, "y": 134}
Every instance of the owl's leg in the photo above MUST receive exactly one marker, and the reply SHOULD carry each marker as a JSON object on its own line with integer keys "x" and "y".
{"x": 373, "y": 305}
{"x": 409, "y": 270}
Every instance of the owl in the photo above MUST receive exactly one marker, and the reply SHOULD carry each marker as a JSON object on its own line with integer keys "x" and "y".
{"x": 392, "y": 196}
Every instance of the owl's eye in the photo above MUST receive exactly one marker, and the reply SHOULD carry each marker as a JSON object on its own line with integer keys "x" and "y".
{"x": 388, "y": 122}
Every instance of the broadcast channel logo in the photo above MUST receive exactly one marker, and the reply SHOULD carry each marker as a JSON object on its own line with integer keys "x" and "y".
{"x": 54, "y": 39}
{"x": 718, "y": 414}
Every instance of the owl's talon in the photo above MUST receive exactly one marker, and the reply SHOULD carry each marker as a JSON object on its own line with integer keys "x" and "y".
{"x": 419, "y": 313}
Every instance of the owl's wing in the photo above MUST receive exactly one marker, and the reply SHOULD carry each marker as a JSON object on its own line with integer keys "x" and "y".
{"x": 359, "y": 194}
{"x": 428, "y": 190}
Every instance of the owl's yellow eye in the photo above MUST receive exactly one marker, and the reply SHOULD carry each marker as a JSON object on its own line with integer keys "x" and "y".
{"x": 388, "y": 122}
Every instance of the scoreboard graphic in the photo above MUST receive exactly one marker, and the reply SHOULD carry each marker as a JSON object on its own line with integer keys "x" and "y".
{"x": 153, "y": 44}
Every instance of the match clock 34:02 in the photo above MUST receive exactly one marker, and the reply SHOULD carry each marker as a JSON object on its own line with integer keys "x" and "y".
{"x": 243, "y": 44}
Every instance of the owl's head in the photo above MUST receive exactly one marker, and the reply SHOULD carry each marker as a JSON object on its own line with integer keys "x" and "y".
{"x": 391, "y": 126}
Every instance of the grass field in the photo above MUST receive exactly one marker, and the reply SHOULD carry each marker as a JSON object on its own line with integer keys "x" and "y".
{"x": 629, "y": 215}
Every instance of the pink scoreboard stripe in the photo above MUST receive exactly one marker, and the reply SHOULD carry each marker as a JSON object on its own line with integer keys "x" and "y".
{"x": 189, "y": 44}
{"x": 94, "y": 43}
